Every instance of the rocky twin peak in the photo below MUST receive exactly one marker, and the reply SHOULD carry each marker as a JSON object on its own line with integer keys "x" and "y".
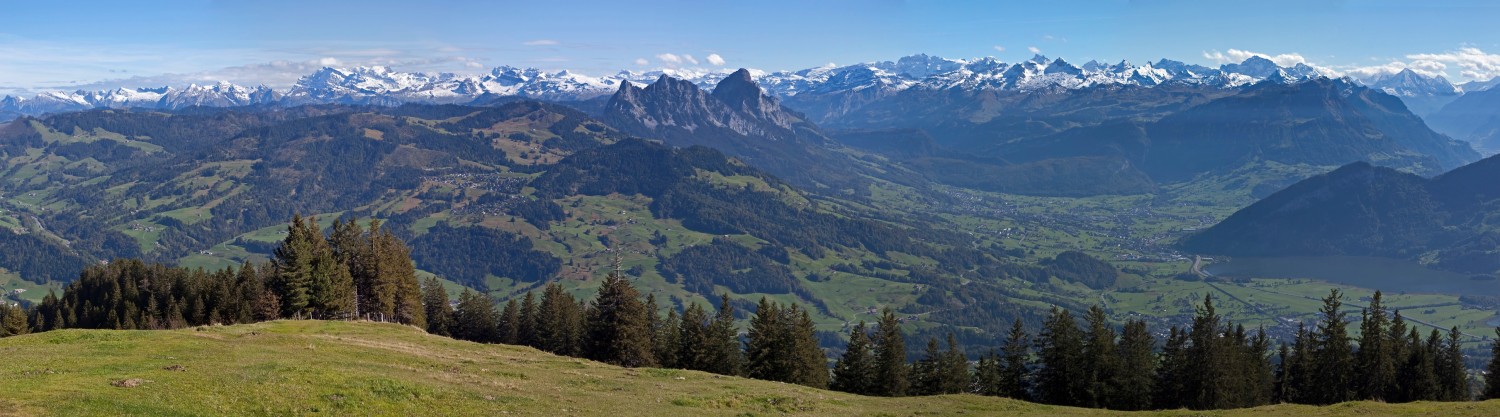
{"x": 737, "y": 104}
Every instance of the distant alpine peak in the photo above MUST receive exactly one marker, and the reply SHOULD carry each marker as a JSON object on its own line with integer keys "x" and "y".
{"x": 382, "y": 85}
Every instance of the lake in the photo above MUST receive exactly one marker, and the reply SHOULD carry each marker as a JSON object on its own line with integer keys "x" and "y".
{"x": 1389, "y": 275}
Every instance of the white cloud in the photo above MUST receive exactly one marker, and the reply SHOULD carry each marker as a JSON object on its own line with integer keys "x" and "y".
{"x": 1034, "y": 49}
{"x": 328, "y": 61}
{"x": 715, "y": 59}
{"x": 1235, "y": 56}
{"x": 672, "y": 59}
{"x": 999, "y": 48}
{"x": 1472, "y": 62}
{"x": 540, "y": 42}
{"x": 642, "y": 61}
{"x": 690, "y": 59}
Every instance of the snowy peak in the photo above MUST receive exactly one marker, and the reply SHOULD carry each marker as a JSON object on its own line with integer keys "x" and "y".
{"x": 1408, "y": 83}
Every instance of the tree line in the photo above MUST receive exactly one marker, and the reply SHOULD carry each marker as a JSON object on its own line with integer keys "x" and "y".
{"x": 1210, "y": 364}
{"x": 350, "y": 272}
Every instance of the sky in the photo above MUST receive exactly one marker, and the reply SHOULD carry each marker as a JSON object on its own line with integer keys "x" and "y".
{"x": 65, "y": 45}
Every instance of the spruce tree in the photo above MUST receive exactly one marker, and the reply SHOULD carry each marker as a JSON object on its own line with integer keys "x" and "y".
{"x": 1099, "y": 360}
{"x": 693, "y": 339}
{"x": 987, "y": 374}
{"x": 509, "y": 324}
{"x": 12, "y": 320}
{"x": 1333, "y": 360}
{"x": 293, "y": 263}
{"x": 558, "y": 322}
{"x": 1061, "y": 378}
{"x": 1453, "y": 375}
{"x": 811, "y": 362}
{"x": 890, "y": 357}
{"x": 1207, "y": 378}
{"x": 435, "y": 301}
{"x": 926, "y": 373}
{"x": 953, "y": 369}
{"x": 854, "y": 372}
{"x": 767, "y": 344}
{"x": 668, "y": 340}
{"x": 618, "y": 329}
{"x": 474, "y": 320}
{"x": 1492, "y": 374}
{"x": 1398, "y": 349}
{"x": 1373, "y": 361}
{"x": 1015, "y": 366}
{"x": 526, "y": 331}
{"x": 725, "y": 356}
{"x": 1419, "y": 374}
{"x": 1135, "y": 381}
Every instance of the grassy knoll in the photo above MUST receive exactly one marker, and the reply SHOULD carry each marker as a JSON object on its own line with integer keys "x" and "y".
{"x": 341, "y": 368}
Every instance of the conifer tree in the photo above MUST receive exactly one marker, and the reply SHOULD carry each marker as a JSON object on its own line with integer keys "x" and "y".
{"x": 293, "y": 263}
{"x": 509, "y": 324}
{"x": 474, "y": 320}
{"x": 1453, "y": 375}
{"x": 987, "y": 374}
{"x": 1398, "y": 349}
{"x": 811, "y": 362}
{"x": 1492, "y": 374}
{"x": 854, "y": 372}
{"x": 1135, "y": 380}
{"x": 1061, "y": 378}
{"x": 725, "y": 356}
{"x": 618, "y": 329}
{"x": 12, "y": 320}
{"x": 526, "y": 331}
{"x": 1099, "y": 360}
{"x": 1333, "y": 360}
{"x": 558, "y": 322}
{"x": 767, "y": 344}
{"x": 890, "y": 357}
{"x": 1014, "y": 369}
{"x": 1419, "y": 374}
{"x": 693, "y": 337}
{"x": 668, "y": 340}
{"x": 1207, "y": 379}
{"x": 1373, "y": 360}
{"x": 953, "y": 369}
{"x": 439, "y": 314}
{"x": 926, "y": 373}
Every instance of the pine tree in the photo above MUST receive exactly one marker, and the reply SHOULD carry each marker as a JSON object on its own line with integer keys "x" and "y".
{"x": 474, "y": 320}
{"x": 439, "y": 314}
{"x": 1061, "y": 378}
{"x": 1376, "y": 372}
{"x": 725, "y": 356}
{"x": 293, "y": 263}
{"x": 1207, "y": 376}
{"x": 558, "y": 322}
{"x": 694, "y": 352}
{"x": 811, "y": 362}
{"x": 1492, "y": 375}
{"x": 1014, "y": 369}
{"x": 526, "y": 331}
{"x": 854, "y": 372}
{"x": 12, "y": 320}
{"x": 1398, "y": 350}
{"x": 890, "y": 357}
{"x": 668, "y": 340}
{"x": 509, "y": 324}
{"x": 1419, "y": 374}
{"x": 767, "y": 344}
{"x": 1333, "y": 360}
{"x": 618, "y": 329}
{"x": 953, "y": 369}
{"x": 1256, "y": 371}
{"x": 1099, "y": 359}
{"x": 1451, "y": 372}
{"x": 926, "y": 373}
{"x": 1135, "y": 381}
{"x": 988, "y": 374}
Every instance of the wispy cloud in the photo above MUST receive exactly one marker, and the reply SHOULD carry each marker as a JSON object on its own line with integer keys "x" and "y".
{"x": 1034, "y": 50}
{"x": 1473, "y": 62}
{"x": 1235, "y": 56}
{"x": 999, "y": 48}
{"x": 715, "y": 59}
{"x": 540, "y": 42}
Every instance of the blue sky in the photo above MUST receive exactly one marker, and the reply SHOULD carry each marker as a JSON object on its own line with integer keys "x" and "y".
{"x": 55, "y": 45}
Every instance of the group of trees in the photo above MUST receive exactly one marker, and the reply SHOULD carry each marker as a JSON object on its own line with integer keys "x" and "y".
{"x": 349, "y": 272}
{"x": 1210, "y": 364}
{"x": 619, "y": 326}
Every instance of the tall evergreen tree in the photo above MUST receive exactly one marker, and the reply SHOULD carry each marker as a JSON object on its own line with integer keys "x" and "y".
{"x": 293, "y": 264}
{"x": 811, "y": 362}
{"x": 1333, "y": 359}
{"x": 668, "y": 340}
{"x": 725, "y": 355}
{"x": 1135, "y": 380}
{"x": 1419, "y": 376}
{"x": 927, "y": 372}
{"x": 953, "y": 369}
{"x": 435, "y": 301}
{"x": 1398, "y": 349}
{"x": 12, "y": 320}
{"x": 890, "y": 357}
{"x": 1492, "y": 374}
{"x": 695, "y": 350}
{"x": 1171, "y": 389}
{"x": 509, "y": 324}
{"x": 767, "y": 344}
{"x": 618, "y": 329}
{"x": 1208, "y": 379}
{"x": 1452, "y": 374}
{"x": 1376, "y": 371}
{"x": 1061, "y": 378}
{"x": 558, "y": 322}
{"x": 1015, "y": 367}
{"x": 526, "y": 331}
{"x": 854, "y": 372}
{"x": 988, "y": 374}
{"x": 1100, "y": 360}
{"x": 474, "y": 319}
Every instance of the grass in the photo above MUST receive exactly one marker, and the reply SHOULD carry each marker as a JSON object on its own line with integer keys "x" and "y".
{"x": 344, "y": 368}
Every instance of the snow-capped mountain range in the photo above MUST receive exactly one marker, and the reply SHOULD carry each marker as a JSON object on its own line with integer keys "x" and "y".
{"x": 384, "y": 86}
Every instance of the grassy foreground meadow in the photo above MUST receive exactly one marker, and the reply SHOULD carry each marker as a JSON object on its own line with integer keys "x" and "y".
{"x": 354, "y": 368}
